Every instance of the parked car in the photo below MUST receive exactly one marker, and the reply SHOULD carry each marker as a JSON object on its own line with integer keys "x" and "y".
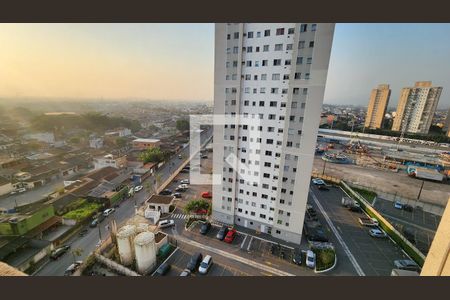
{"x": 180, "y": 156}
{"x": 180, "y": 189}
{"x": 195, "y": 260}
{"x": 203, "y": 156}
{"x": 206, "y": 226}
{"x": 138, "y": 188}
{"x": 206, "y": 195}
{"x": 377, "y": 233}
{"x": 205, "y": 265}
{"x": 185, "y": 273}
{"x": 177, "y": 195}
{"x": 166, "y": 192}
{"x": 184, "y": 181}
{"x": 108, "y": 211}
{"x": 323, "y": 187}
{"x": 406, "y": 264}
{"x": 407, "y": 207}
{"x": 183, "y": 186}
{"x": 166, "y": 223}
{"x": 398, "y": 205}
{"x": 163, "y": 269}
{"x": 222, "y": 232}
{"x": 297, "y": 258}
{"x": 310, "y": 259}
{"x": 58, "y": 252}
{"x": 318, "y": 181}
{"x": 230, "y": 236}
{"x": 72, "y": 268}
{"x": 83, "y": 232}
{"x": 94, "y": 223}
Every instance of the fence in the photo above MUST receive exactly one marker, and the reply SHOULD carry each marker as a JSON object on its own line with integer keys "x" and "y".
{"x": 409, "y": 248}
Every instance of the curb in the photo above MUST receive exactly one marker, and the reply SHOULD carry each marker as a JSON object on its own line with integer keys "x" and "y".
{"x": 329, "y": 269}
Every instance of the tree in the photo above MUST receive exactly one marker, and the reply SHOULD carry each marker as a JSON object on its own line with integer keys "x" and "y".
{"x": 152, "y": 155}
{"x": 196, "y": 205}
{"x": 121, "y": 142}
{"x": 182, "y": 124}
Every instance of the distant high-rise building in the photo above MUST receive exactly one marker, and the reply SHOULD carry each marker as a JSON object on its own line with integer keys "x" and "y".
{"x": 379, "y": 99}
{"x": 269, "y": 84}
{"x": 447, "y": 123}
{"x": 437, "y": 262}
{"x": 416, "y": 107}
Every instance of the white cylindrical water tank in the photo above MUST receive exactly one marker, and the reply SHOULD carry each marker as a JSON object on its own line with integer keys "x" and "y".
{"x": 145, "y": 249}
{"x": 141, "y": 227}
{"x": 125, "y": 237}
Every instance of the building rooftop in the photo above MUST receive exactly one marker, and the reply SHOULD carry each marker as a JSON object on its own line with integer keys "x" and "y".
{"x": 7, "y": 270}
{"x": 158, "y": 199}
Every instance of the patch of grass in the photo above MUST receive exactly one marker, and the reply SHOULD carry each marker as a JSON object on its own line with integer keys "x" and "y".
{"x": 324, "y": 258}
{"x": 368, "y": 195}
{"x": 84, "y": 211}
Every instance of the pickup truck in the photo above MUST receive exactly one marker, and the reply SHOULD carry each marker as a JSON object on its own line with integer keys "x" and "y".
{"x": 368, "y": 221}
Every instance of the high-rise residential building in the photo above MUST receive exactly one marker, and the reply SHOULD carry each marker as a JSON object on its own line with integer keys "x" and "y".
{"x": 416, "y": 107}
{"x": 437, "y": 262}
{"x": 269, "y": 84}
{"x": 379, "y": 99}
{"x": 447, "y": 123}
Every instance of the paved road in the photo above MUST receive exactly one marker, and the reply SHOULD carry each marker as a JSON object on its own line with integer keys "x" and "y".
{"x": 124, "y": 212}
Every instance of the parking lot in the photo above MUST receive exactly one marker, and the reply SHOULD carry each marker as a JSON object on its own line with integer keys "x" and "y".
{"x": 418, "y": 226}
{"x": 375, "y": 256}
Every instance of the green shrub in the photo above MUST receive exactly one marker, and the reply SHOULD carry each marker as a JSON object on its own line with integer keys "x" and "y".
{"x": 83, "y": 212}
{"x": 325, "y": 258}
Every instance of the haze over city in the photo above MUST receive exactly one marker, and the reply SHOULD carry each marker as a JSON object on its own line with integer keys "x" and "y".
{"x": 166, "y": 61}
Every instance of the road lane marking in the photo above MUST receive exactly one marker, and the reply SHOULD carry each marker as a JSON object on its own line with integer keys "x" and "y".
{"x": 243, "y": 242}
{"x": 237, "y": 258}
{"x": 338, "y": 236}
{"x": 249, "y": 244}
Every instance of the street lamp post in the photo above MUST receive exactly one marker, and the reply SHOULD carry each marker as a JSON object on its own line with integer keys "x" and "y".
{"x": 420, "y": 191}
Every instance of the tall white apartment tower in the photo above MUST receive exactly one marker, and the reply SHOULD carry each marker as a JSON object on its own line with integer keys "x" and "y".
{"x": 269, "y": 84}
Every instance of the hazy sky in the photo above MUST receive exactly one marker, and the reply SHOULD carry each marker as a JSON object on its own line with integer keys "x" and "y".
{"x": 176, "y": 61}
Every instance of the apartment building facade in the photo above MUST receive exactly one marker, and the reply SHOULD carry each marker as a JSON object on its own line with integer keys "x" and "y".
{"x": 269, "y": 84}
{"x": 416, "y": 108}
{"x": 379, "y": 99}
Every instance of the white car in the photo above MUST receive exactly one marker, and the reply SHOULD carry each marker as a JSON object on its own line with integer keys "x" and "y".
{"x": 205, "y": 265}
{"x": 166, "y": 223}
{"x": 138, "y": 188}
{"x": 72, "y": 268}
{"x": 310, "y": 259}
{"x": 318, "y": 181}
{"x": 183, "y": 186}
{"x": 108, "y": 211}
{"x": 184, "y": 181}
{"x": 377, "y": 233}
{"x": 21, "y": 190}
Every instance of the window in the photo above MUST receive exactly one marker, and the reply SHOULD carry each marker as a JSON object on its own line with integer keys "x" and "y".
{"x": 256, "y": 63}
{"x": 249, "y": 63}
{"x": 265, "y": 48}
{"x": 280, "y": 31}
{"x": 287, "y": 62}
{"x": 257, "y": 49}
{"x": 297, "y": 75}
{"x": 311, "y": 44}
{"x": 291, "y": 30}
{"x": 264, "y": 62}
{"x": 258, "y": 34}
{"x": 235, "y": 49}
{"x": 313, "y": 27}
{"x": 305, "y": 91}
{"x": 278, "y": 47}
{"x": 263, "y": 76}
{"x": 301, "y": 44}
{"x": 289, "y": 47}
{"x": 267, "y": 32}
{"x": 274, "y": 90}
{"x": 248, "y": 77}
{"x": 249, "y": 49}
{"x": 295, "y": 91}
{"x": 228, "y": 36}
{"x": 261, "y": 103}
{"x": 303, "y": 27}
{"x": 309, "y": 60}
{"x": 262, "y": 90}
{"x": 307, "y": 76}
{"x": 286, "y": 77}
{"x": 277, "y": 62}
{"x": 269, "y": 141}
{"x": 250, "y": 34}
{"x": 236, "y": 35}
{"x": 299, "y": 60}
{"x": 275, "y": 76}
{"x": 273, "y": 104}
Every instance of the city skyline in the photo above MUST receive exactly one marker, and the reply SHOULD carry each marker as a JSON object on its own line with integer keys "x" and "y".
{"x": 144, "y": 61}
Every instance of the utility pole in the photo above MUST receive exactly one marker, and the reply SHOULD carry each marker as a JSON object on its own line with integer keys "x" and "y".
{"x": 420, "y": 191}
{"x": 324, "y": 164}
{"x": 99, "y": 232}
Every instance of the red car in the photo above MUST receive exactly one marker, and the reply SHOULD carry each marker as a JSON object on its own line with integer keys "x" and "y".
{"x": 230, "y": 236}
{"x": 206, "y": 195}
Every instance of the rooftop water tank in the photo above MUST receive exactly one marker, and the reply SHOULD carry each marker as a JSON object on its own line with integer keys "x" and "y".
{"x": 145, "y": 249}
{"x": 125, "y": 237}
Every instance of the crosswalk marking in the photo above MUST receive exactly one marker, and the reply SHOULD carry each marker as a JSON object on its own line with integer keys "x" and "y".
{"x": 179, "y": 216}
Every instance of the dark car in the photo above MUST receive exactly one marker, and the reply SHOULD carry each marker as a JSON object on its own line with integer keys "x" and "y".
{"x": 58, "y": 252}
{"x": 222, "y": 232}
{"x": 83, "y": 232}
{"x": 355, "y": 208}
{"x": 205, "y": 228}
{"x": 297, "y": 258}
{"x": 177, "y": 195}
{"x": 163, "y": 269}
{"x": 166, "y": 192}
{"x": 195, "y": 260}
{"x": 406, "y": 264}
{"x": 323, "y": 187}
{"x": 407, "y": 207}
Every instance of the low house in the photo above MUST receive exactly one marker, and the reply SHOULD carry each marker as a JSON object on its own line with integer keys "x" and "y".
{"x": 160, "y": 203}
{"x": 110, "y": 160}
{"x": 145, "y": 144}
